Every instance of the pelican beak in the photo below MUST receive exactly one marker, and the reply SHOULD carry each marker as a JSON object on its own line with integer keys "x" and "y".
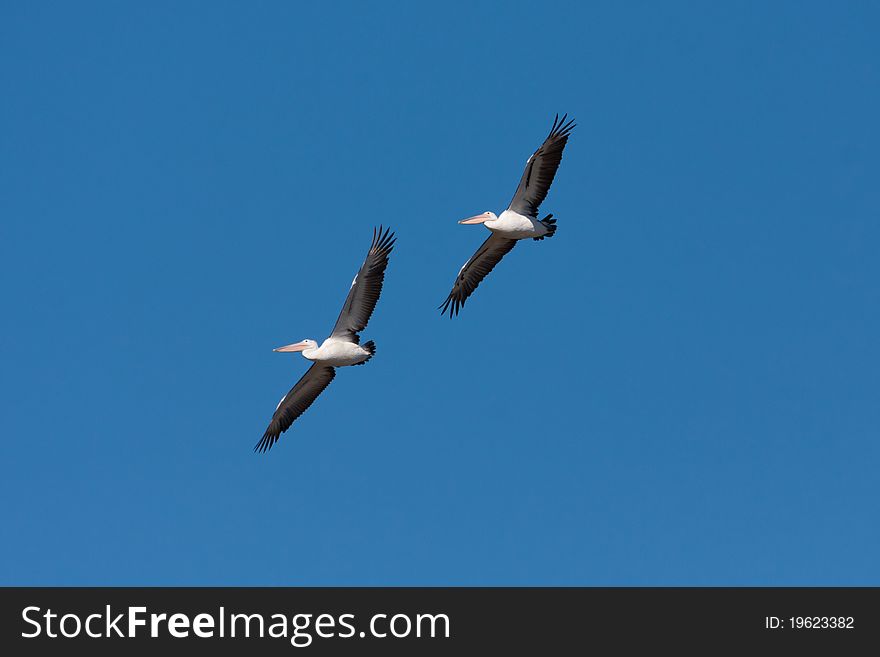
{"x": 299, "y": 346}
{"x": 478, "y": 219}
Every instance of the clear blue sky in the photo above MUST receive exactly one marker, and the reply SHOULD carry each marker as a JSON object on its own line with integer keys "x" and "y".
{"x": 681, "y": 387}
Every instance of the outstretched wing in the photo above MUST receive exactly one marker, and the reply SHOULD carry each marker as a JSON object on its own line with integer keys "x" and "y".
{"x": 475, "y": 270}
{"x": 541, "y": 169}
{"x": 365, "y": 288}
{"x": 295, "y": 402}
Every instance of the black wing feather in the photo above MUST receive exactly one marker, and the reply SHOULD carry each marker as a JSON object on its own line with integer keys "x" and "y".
{"x": 295, "y": 403}
{"x": 474, "y": 271}
{"x": 366, "y": 288}
{"x": 541, "y": 169}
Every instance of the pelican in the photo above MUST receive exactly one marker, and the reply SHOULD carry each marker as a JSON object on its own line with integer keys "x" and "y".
{"x": 342, "y": 348}
{"x": 518, "y": 222}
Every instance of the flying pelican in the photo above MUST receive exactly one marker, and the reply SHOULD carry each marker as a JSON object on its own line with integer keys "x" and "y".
{"x": 343, "y": 346}
{"x": 518, "y": 222}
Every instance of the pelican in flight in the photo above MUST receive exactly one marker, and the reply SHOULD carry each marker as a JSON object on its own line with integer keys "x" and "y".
{"x": 343, "y": 346}
{"x": 518, "y": 222}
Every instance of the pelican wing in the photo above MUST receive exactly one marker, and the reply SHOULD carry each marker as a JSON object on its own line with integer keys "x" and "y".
{"x": 475, "y": 270}
{"x": 541, "y": 169}
{"x": 295, "y": 403}
{"x": 365, "y": 288}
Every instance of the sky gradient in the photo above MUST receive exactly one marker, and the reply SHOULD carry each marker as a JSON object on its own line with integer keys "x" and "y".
{"x": 682, "y": 387}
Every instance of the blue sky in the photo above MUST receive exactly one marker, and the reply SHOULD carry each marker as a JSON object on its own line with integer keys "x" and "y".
{"x": 681, "y": 387}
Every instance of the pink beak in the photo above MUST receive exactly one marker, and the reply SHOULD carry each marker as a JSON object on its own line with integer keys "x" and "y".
{"x": 478, "y": 219}
{"x": 298, "y": 346}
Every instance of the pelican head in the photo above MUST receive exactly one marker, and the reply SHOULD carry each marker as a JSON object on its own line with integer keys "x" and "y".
{"x": 303, "y": 345}
{"x": 479, "y": 219}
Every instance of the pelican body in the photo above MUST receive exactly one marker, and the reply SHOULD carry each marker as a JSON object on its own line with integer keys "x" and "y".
{"x": 518, "y": 222}
{"x": 342, "y": 348}
{"x": 512, "y": 225}
{"x": 333, "y": 352}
